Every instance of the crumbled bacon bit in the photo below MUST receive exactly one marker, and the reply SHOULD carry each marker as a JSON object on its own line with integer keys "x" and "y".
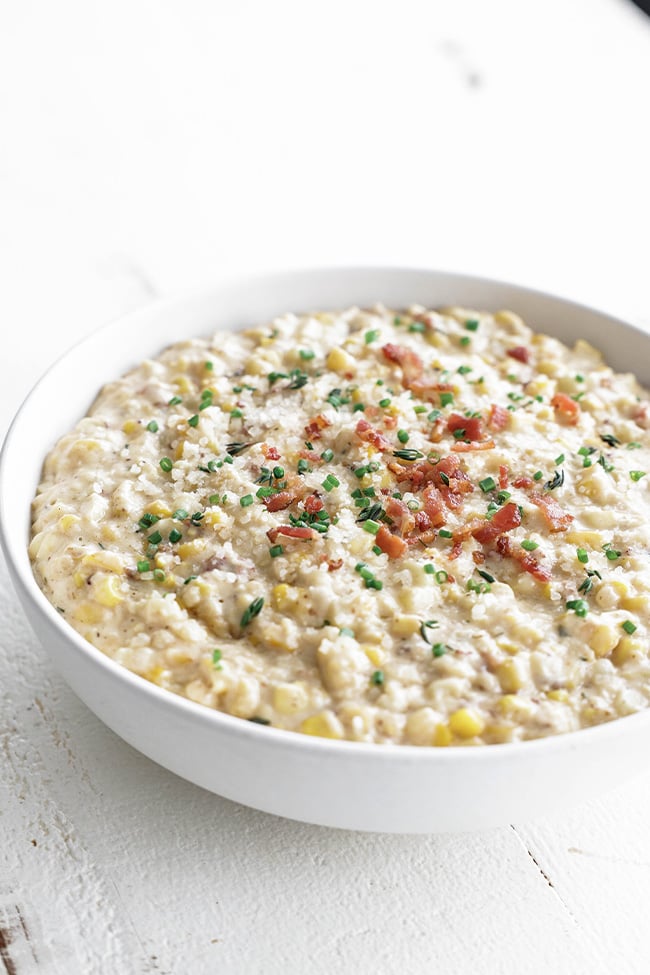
{"x": 271, "y": 453}
{"x": 503, "y": 520}
{"x": 280, "y": 501}
{"x": 523, "y": 482}
{"x": 566, "y": 408}
{"x": 334, "y": 564}
{"x": 291, "y": 531}
{"x": 499, "y": 417}
{"x": 422, "y": 521}
{"x": 368, "y": 434}
{"x": 478, "y": 556}
{"x": 556, "y": 517}
{"x": 401, "y": 515}
{"x": 411, "y": 363}
{"x": 315, "y": 426}
{"x": 520, "y": 352}
{"x": 313, "y": 504}
{"x": 470, "y": 424}
{"x": 527, "y": 561}
{"x": 434, "y": 505}
{"x": 465, "y": 448}
{"x": 455, "y": 550}
{"x": 503, "y": 477}
{"x": 428, "y": 389}
{"x": 392, "y": 545}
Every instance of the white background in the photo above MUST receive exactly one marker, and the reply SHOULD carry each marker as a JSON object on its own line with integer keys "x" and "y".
{"x": 146, "y": 148}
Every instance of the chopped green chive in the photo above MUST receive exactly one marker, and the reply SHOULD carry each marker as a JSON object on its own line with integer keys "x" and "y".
{"x": 143, "y": 566}
{"x": 487, "y": 484}
{"x": 429, "y": 569}
{"x": 330, "y": 482}
{"x": 629, "y": 627}
{"x": 611, "y": 553}
{"x": 371, "y": 526}
{"x": 346, "y": 631}
{"x": 583, "y": 555}
{"x": 579, "y": 607}
{"x": 433, "y": 415}
{"x": 439, "y": 649}
{"x": 556, "y": 481}
{"x": 425, "y": 626}
{"x": 327, "y": 455}
{"x": 166, "y": 463}
{"x": 148, "y": 520}
{"x": 408, "y": 454}
{"x": 155, "y": 538}
{"x": 610, "y": 439}
{"x": 472, "y": 324}
{"x": 559, "y": 460}
{"x": 465, "y": 340}
{"x": 303, "y": 466}
{"x": 637, "y": 475}
{"x": 246, "y": 500}
{"x": 446, "y": 399}
{"x": 503, "y": 496}
{"x": 233, "y": 449}
{"x": 278, "y": 473}
{"x": 307, "y": 354}
{"x": 175, "y": 535}
{"x": 403, "y": 436}
{"x": 384, "y": 403}
{"x": 420, "y": 409}
{"x": 445, "y": 533}
{"x": 252, "y": 611}
{"x": 159, "y": 575}
{"x": 275, "y": 550}
{"x": 377, "y": 678}
{"x": 529, "y": 544}
{"x": 189, "y": 579}
{"x": 441, "y": 577}
{"x": 463, "y": 370}
{"x": 152, "y": 426}
{"x": 174, "y": 401}
{"x": 633, "y": 445}
{"x": 537, "y": 476}
{"x": 371, "y": 336}
{"x": 180, "y": 514}
{"x": 235, "y": 414}
{"x": 216, "y": 659}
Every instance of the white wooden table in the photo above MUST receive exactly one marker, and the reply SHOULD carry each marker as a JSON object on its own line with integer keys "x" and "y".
{"x": 144, "y": 149}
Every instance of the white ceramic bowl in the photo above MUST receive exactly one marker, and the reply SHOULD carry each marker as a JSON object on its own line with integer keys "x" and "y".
{"x": 345, "y": 784}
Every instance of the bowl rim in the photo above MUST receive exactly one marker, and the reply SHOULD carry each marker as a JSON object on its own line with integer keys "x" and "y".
{"x": 24, "y": 579}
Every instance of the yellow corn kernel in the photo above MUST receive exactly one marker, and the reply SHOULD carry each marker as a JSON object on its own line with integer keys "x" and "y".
{"x": 510, "y": 320}
{"x": 466, "y": 723}
{"x": 322, "y": 725}
{"x": 179, "y": 450}
{"x": 560, "y": 694}
{"x": 79, "y": 578}
{"x": 183, "y": 384}
{"x": 626, "y": 649}
{"x": 157, "y": 674}
{"x": 130, "y": 426}
{"x": 107, "y": 592}
{"x": 289, "y": 698}
{"x": 512, "y": 706}
{"x": 584, "y": 538}
{"x": 357, "y": 395}
{"x": 442, "y": 736}
{"x": 498, "y": 732}
{"x": 374, "y": 654}
{"x": 437, "y": 339}
{"x": 103, "y": 560}
{"x": 212, "y": 517}
{"x": 509, "y": 676}
{"x": 405, "y": 625}
{"x": 88, "y": 613}
{"x": 508, "y": 647}
{"x": 603, "y": 640}
{"x": 620, "y": 587}
{"x": 339, "y": 361}
{"x": 108, "y": 534}
{"x": 406, "y": 599}
{"x": 189, "y": 550}
{"x": 158, "y": 508}
{"x": 67, "y": 522}
{"x": 386, "y": 480}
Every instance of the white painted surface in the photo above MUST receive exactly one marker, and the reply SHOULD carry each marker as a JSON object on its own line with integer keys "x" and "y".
{"x": 146, "y": 147}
